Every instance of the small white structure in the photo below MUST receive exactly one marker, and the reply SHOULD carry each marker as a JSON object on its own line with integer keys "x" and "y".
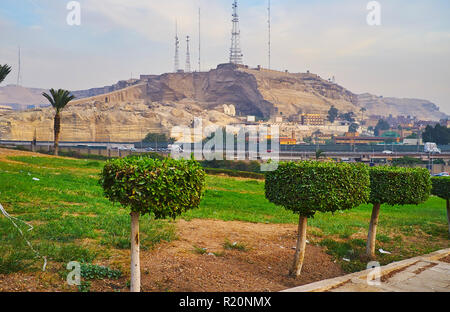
{"x": 251, "y": 119}
{"x": 229, "y": 110}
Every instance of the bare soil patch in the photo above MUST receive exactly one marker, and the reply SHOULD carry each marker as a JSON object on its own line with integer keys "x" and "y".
{"x": 177, "y": 266}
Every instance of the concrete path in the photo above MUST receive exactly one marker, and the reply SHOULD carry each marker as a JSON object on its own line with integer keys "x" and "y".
{"x": 430, "y": 273}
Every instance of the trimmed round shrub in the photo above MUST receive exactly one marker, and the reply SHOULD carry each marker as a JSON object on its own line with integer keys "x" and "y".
{"x": 395, "y": 186}
{"x": 309, "y": 187}
{"x": 399, "y": 186}
{"x": 441, "y": 188}
{"x": 166, "y": 188}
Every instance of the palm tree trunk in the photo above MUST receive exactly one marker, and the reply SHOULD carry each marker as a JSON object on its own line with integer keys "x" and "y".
{"x": 301, "y": 246}
{"x": 57, "y": 129}
{"x": 371, "y": 239}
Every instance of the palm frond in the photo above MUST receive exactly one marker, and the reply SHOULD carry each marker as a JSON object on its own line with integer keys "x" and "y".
{"x": 4, "y": 71}
{"x": 59, "y": 98}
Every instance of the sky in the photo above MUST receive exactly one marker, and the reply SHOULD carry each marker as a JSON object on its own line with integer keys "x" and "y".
{"x": 407, "y": 56}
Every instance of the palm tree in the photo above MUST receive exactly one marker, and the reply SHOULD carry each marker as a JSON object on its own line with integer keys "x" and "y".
{"x": 363, "y": 110}
{"x": 59, "y": 99}
{"x": 4, "y": 71}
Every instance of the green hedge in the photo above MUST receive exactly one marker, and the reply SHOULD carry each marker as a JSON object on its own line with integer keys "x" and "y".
{"x": 235, "y": 173}
{"x": 441, "y": 187}
{"x": 239, "y": 165}
{"x": 399, "y": 186}
{"x": 166, "y": 188}
{"x": 309, "y": 187}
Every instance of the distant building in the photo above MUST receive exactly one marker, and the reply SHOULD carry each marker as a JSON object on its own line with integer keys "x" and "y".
{"x": 287, "y": 141}
{"x": 312, "y": 120}
{"x": 251, "y": 119}
{"x": 355, "y": 139}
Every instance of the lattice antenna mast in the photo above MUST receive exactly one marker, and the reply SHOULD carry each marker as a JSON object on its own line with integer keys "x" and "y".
{"x": 19, "y": 70}
{"x": 177, "y": 49}
{"x": 270, "y": 34}
{"x": 199, "y": 41}
{"x": 188, "y": 55}
{"x": 235, "y": 51}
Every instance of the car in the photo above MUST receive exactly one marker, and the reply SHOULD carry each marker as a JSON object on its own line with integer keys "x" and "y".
{"x": 442, "y": 174}
{"x": 388, "y": 152}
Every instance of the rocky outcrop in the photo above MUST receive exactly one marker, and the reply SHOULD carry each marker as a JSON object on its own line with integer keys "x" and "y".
{"x": 158, "y": 103}
{"x": 422, "y": 109}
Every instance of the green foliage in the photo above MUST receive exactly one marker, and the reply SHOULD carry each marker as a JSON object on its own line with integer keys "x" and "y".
{"x": 58, "y": 98}
{"x": 235, "y": 173}
{"x": 441, "y": 187}
{"x": 151, "y": 155}
{"x": 348, "y": 116}
{"x": 439, "y": 135}
{"x": 381, "y": 125}
{"x": 166, "y": 188}
{"x": 250, "y": 166}
{"x": 310, "y": 187}
{"x": 408, "y": 161}
{"x": 158, "y": 138}
{"x": 91, "y": 271}
{"x": 333, "y": 114}
{"x": 399, "y": 186}
{"x": 353, "y": 128}
{"x": 234, "y": 246}
{"x": 4, "y": 71}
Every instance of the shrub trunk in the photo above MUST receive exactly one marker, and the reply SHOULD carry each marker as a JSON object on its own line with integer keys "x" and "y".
{"x": 371, "y": 239}
{"x": 301, "y": 246}
{"x": 135, "y": 263}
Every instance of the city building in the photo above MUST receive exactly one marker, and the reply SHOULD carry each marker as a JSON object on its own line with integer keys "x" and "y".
{"x": 355, "y": 139}
{"x": 312, "y": 120}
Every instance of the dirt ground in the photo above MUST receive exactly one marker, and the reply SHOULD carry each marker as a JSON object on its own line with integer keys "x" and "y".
{"x": 176, "y": 266}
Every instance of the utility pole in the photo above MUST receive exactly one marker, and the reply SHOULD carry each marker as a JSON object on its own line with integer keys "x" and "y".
{"x": 177, "y": 49}
{"x": 199, "y": 41}
{"x": 188, "y": 55}
{"x": 270, "y": 35}
{"x": 19, "y": 70}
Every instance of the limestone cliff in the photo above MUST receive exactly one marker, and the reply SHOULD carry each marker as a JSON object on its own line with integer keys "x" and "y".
{"x": 157, "y": 103}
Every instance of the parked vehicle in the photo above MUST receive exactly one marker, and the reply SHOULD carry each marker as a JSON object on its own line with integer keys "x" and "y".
{"x": 388, "y": 152}
{"x": 442, "y": 174}
{"x": 431, "y": 148}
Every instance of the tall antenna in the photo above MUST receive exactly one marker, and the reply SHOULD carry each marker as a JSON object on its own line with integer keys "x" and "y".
{"x": 188, "y": 55}
{"x": 19, "y": 74}
{"x": 270, "y": 29}
{"x": 199, "y": 40}
{"x": 177, "y": 49}
{"x": 235, "y": 51}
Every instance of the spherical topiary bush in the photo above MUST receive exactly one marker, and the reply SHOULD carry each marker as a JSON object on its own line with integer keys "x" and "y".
{"x": 309, "y": 187}
{"x": 395, "y": 186}
{"x": 164, "y": 188}
{"x": 441, "y": 188}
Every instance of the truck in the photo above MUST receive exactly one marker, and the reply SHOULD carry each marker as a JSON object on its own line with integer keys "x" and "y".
{"x": 431, "y": 148}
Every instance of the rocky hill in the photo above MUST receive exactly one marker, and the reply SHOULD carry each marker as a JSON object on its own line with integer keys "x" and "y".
{"x": 157, "y": 103}
{"x": 21, "y": 98}
{"x": 423, "y": 109}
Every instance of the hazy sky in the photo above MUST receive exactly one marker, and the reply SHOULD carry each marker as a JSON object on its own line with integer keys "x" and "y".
{"x": 407, "y": 56}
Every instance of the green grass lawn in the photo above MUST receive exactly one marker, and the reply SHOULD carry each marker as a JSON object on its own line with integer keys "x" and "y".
{"x": 73, "y": 221}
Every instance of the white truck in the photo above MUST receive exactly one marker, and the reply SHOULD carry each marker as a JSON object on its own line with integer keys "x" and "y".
{"x": 431, "y": 148}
